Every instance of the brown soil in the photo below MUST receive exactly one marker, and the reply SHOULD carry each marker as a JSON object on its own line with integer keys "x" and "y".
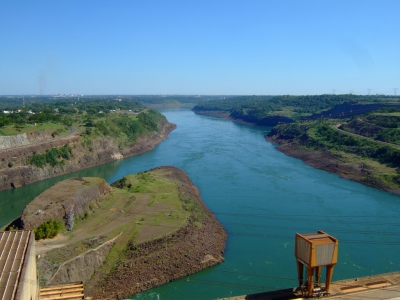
{"x": 192, "y": 248}
{"x": 155, "y": 243}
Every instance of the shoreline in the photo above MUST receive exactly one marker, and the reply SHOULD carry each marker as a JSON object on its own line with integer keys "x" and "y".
{"x": 167, "y": 258}
{"x": 323, "y": 160}
{"x": 129, "y": 253}
{"x": 327, "y": 161}
{"x": 103, "y": 152}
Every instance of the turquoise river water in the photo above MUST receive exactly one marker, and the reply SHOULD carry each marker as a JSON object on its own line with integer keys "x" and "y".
{"x": 262, "y": 197}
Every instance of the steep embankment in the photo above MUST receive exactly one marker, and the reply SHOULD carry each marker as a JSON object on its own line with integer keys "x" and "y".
{"x": 16, "y": 171}
{"x": 23, "y": 139}
{"x": 150, "y": 228}
{"x": 75, "y": 194}
{"x": 299, "y": 143}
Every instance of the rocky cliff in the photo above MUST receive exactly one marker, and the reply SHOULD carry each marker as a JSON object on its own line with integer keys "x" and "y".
{"x": 117, "y": 249}
{"x": 7, "y": 142}
{"x": 100, "y": 151}
{"x": 82, "y": 267}
{"x": 56, "y": 203}
{"x": 192, "y": 248}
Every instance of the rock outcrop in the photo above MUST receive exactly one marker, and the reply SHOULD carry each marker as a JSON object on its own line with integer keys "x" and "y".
{"x": 194, "y": 247}
{"x": 82, "y": 267}
{"x": 23, "y": 139}
{"x": 134, "y": 263}
{"x": 56, "y": 202}
{"x": 102, "y": 150}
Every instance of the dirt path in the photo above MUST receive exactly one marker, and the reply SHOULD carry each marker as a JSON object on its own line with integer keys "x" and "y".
{"x": 337, "y": 127}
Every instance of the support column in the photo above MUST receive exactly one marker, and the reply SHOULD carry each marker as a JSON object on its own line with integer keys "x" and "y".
{"x": 300, "y": 272}
{"x": 329, "y": 272}
{"x": 318, "y": 275}
{"x": 310, "y": 280}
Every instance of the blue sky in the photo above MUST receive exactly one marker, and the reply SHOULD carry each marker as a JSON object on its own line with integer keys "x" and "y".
{"x": 200, "y": 47}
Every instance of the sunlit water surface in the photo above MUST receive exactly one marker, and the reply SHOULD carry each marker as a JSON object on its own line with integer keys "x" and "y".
{"x": 262, "y": 197}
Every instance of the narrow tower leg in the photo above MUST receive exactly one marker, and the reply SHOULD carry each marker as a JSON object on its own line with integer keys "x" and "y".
{"x": 318, "y": 275}
{"x": 329, "y": 272}
{"x": 310, "y": 280}
{"x": 300, "y": 272}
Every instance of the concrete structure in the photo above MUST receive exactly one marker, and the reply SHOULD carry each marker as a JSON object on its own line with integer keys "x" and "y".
{"x": 70, "y": 291}
{"x": 18, "y": 277}
{"x": 315, "y": 250}
{"x": 383, "y": 286}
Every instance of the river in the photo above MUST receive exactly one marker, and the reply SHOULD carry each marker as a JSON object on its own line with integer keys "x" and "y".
{"x": 262, "y": 197}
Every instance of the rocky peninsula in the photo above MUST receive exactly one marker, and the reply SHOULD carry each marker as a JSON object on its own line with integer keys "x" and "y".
{"x": 142, "y": 231}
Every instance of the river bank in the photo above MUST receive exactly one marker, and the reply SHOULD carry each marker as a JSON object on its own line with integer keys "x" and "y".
{"x": 351, "y": 169}
{"x": 266, "y": 121}
{"x": 199, "y": 244}
{"x": 262, "y": 197}
{"x": 142, "y": 231}
{"x": 84, "y": 155}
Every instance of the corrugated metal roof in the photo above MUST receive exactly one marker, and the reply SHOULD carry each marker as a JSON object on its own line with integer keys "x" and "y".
{"x": 13, "y": 245}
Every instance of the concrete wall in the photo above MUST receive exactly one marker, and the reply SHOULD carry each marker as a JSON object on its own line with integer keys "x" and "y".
{"x": 28, "y": 286}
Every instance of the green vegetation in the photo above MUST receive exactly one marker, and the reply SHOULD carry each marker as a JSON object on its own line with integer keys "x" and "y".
{"x": 127, "y": 128}
{"x": 360, "y": 142}
{"x": 54, "y": 157}
{"x": 321, "y": 135}
{"x": 124, "y": 121}
{"x": 195, "y": 210}
{"x": 255, "y": 108}
{"x": 157, "y": 210}
{"x": 382, "y": 125}
{"x": 64, "y": 112}
{"x": 48, "y": 229}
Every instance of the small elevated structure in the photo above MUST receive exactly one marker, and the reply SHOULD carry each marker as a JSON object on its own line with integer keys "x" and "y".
{"x": 18, "y": 279}
{"x": 315, "y": 250}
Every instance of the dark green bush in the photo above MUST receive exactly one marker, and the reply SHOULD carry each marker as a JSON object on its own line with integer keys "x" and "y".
{"x": 48, "y": 229}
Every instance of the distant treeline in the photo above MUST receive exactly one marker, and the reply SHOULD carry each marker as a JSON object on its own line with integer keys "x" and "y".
{"x": 61, "y": 110}
{"x": 170, "y": 99}
{"x": 255, "y": 108}
{"x": 16, "y": 102}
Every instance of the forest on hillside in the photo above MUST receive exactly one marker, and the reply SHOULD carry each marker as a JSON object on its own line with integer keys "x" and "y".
{"x": 254, "y": 108}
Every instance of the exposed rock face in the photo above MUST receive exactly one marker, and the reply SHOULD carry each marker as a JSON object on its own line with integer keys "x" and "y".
{"x": 101, "y": 151}
{"x": 192, "y": 248}
{"x": 56, "y": 202}
{"x": 23, "y": 139}
{"x": 331, "y": 162}
{"x": 81, "y": 268}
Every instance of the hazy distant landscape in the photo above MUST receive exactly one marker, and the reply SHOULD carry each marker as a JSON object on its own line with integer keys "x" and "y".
{"x": 257, "y": 119}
